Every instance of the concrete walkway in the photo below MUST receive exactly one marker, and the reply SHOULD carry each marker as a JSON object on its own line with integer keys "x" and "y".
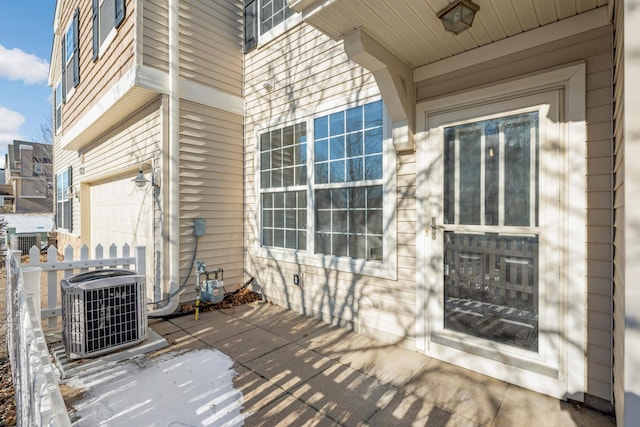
{"x": 298, "y": 371}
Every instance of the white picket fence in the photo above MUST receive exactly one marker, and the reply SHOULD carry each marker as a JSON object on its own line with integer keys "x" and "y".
{"x": 68, "y": 266}
{"x": 38, "y": 397}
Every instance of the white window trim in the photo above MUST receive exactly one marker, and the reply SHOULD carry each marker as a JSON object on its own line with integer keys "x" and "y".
{"x": 386, "y": 269}
{"x": 570, "y": 84}
{"x": 69, "y": 91}
{"x": 110, "y": 37}
{"x": 283, "y": 27}
{"x": 57, "y": 129}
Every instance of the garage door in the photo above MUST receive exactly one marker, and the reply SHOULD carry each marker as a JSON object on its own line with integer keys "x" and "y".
{"x": 122, "y": 213}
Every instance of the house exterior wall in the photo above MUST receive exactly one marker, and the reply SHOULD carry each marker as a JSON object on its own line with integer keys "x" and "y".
{"x": 307, "y": 69}
{"x": 626, "y": 368}
{"x": 311, "y": 73}
{"x": 118, "y": 117}
{"x": 210, "y": 52}
{"x": 618, "y": 204}
{"x": 95, "y": 77}
{"x": 594, "y": 48}
{"x": 211, "y": 189}
{"x": 136, "y": 139}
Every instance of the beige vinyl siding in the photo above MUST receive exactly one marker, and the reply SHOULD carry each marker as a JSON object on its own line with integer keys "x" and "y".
{"x": 594, "y": 48}
{"x": 155, "y": 34}
{"x": 99, "y": 76}
{"x": 619, "y": 219}
{"x": 211, "y": 189}
{"x": 126, "y": 145}
{"x": 309, "y": 72}
{"x": 210, "y": 41}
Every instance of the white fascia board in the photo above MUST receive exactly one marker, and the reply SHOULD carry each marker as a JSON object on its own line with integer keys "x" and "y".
{"x": 106, "y": 102}
{"x": 309, "y": 7}
{"x": 575, "y": 25}
{"x": 157, "y": 81}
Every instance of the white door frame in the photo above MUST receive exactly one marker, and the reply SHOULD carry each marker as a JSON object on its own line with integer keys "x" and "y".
{"x": 563, "y": 375}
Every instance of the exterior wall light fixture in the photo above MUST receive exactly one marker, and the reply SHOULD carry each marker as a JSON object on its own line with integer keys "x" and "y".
{"x": 141, "y": 181}
{"x": 458, "y": 15}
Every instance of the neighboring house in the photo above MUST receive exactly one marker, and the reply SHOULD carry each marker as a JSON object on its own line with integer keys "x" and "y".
{"x": 29, "y": 175}
{"x": 142, "y": 86}
{"x": 463, "y": 195}
{"x": 6, "y": 195}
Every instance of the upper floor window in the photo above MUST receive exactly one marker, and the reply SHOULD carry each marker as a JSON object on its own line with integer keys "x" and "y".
{"x": 70, "y": 58}
{"x": 58, "y": 112}
{"x": 264, "y": 19}
{"x": 108, "y": 15}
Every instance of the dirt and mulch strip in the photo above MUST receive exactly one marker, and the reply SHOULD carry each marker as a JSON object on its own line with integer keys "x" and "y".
{"x": 242, "y": 296}
{"x": 7, "y": 392}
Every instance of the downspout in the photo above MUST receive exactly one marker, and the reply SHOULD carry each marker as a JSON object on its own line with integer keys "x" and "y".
{"x": 173, "y": 163}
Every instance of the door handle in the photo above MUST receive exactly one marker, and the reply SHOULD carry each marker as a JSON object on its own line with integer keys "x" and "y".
{"x": 434, "y": 227}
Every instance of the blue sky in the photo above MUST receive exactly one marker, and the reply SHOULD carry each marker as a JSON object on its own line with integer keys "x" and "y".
{"x": 26, "y": 34}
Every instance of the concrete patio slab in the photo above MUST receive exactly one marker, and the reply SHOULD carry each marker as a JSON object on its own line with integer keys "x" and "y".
{"x": 459, "y": 391}
{"x": 345, "y": 395}
{"x": 257, "y": 391}
{"x": 250, "y": 344}
{"x": 525, "y": 409}
{"x": 408, "y": 410}
{"x": 288, "y": 411}
{"x": 290, "y": 366}
{"x": 293, "y": 370}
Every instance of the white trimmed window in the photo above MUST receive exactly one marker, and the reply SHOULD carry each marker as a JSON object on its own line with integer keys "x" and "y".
{"x": 107, "y": 16}
{"x": 265, "y": 19}
{"x": 63, "y": 200}
{"x": 332, "y": 196}
{"x": 70, "y": 57}
{"x": 283, "y": 180}
{"x": 348, "y": 182}
{"x": 58, "y": 112}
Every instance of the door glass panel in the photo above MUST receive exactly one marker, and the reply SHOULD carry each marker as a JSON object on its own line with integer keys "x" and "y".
{"x": 490, "y": 284}
{"x": 490, "y": 278}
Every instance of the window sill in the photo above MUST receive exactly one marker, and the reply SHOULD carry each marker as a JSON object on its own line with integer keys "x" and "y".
{"x": 279, "y": 29}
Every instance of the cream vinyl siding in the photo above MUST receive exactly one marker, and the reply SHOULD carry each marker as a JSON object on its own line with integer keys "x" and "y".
{"x": 210, "y": 41}
{"x": 619, "y": 220}
{"x": 594, "y": 48}
{"x": 96, "y": 77}
{"x": 309, "y": 71}
{"x": 211, "y": 189}
{"x": 137, "y": 138}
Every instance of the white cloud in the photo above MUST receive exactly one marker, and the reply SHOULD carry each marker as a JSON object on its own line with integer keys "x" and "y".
{"x": 10, "y": 123}
{"x": 16, "y": 64}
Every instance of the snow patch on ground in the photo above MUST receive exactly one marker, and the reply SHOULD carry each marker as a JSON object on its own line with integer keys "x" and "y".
{"x": 30, "y": 222}
{"x": 189, "y": 389}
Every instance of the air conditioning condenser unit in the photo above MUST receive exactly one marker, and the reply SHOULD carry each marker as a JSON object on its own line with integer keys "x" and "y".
{"x": 103, "y": 311}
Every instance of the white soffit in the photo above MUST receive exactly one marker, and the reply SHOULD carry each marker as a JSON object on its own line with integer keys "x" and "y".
{"x": 558, "y": 30}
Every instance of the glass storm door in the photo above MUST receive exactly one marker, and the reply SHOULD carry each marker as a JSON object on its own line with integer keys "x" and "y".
{"x": 490, "y": 246}
{"x": 500, "y": 271}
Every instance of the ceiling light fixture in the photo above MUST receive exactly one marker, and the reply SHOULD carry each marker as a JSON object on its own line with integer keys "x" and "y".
{"x": 458, "y": 16}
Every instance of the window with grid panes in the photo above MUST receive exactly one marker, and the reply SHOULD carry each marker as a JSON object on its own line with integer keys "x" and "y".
{"x": 348, "y": 183}
{"x": 283, "y": 180}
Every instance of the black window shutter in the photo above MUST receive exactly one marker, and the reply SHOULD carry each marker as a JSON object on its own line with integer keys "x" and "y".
{"x": 250, "y": 24}
{"x": 96, "y": 29}
{"x": 64, "y": 67}
{"x": 76, "y": 48}
{"x": 120, "y": 13}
